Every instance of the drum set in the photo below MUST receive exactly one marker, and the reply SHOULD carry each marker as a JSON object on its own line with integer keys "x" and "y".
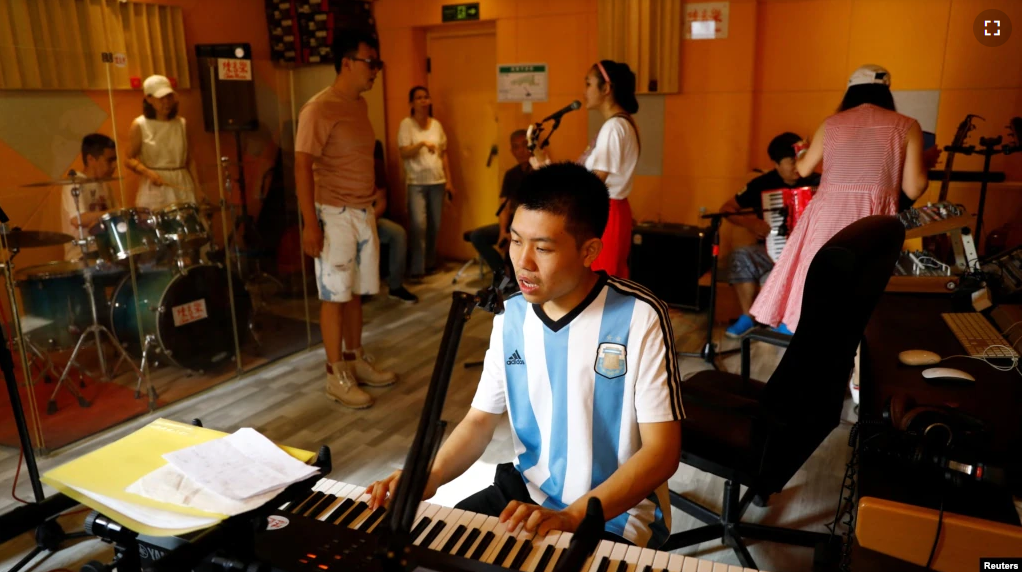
{"x": 146, "y": 282}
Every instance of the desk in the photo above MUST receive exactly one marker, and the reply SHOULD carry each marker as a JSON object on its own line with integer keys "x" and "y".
{"x": 902, "y": 322}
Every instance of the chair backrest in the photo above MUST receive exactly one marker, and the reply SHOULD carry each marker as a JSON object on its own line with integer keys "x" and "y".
{"x": 844, "y": 283}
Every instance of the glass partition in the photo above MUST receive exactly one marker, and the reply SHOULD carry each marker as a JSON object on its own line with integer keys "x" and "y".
{"x": 185, "y": 268}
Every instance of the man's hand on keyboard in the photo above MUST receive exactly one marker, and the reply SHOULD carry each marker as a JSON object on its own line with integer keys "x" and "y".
{"x": 539, "y": 519}
{"x": 383, "y": 490}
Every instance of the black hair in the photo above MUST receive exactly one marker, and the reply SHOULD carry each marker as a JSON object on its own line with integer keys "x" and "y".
{"x": 517, "y": 133}
{"x": 569, "y": 190}
{"x": 149, "y": 112}
{"x": 623, "y": 83}
{"x": 346, "y": 45}
{"x": 412, "y": 97}
{"x": 94, "y": 144}
{"x": 875, "y": 93}
{"x": 781, "y": 146}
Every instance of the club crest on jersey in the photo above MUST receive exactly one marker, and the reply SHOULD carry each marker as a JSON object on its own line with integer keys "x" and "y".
{"x": 610, "y": 360}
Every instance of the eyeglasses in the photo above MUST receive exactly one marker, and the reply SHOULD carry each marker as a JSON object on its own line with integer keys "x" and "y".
{"x": 373, "y": 63}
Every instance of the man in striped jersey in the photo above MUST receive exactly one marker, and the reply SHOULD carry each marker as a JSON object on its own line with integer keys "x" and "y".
{"x": 583, "y": 365}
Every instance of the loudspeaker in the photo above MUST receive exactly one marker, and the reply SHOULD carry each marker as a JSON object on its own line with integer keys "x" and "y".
{"x": 669, "y": 260}
{"x": 236, "y": 98}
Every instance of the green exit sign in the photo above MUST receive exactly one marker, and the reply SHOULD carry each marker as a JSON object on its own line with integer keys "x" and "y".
{"x": 460, "y": 12}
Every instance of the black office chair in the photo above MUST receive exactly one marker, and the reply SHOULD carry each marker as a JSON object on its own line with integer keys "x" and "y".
{"x": 759, "y": 434}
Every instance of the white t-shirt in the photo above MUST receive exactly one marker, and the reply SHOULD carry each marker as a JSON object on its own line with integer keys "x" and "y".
{"x": 93, "y": 197}
{"x": 616, "y": 151}
{"x": 576, "y": 391}
{"x": 425, "y": 168}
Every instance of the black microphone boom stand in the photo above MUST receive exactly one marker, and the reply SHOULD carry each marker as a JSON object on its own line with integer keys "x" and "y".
{"x": 40, "y": 514}
{"x": 710, "y": 353}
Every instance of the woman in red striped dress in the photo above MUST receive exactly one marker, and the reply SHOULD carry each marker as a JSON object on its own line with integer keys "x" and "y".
{"x": 870, "y": 153}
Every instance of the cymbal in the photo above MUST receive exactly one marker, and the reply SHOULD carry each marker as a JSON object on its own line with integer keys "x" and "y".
{"x": 75, "y": 181}
{"x": 35, "y": 238}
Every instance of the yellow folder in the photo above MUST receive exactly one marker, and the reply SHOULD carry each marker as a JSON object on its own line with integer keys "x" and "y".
{"x": 108, "y": 472}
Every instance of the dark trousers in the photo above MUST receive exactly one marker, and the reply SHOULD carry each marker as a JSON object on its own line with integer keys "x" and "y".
{"x": 484, "y": 240}
{"x": 508, "y": 486}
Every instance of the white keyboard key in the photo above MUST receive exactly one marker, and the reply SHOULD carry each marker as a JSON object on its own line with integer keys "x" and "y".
{"x": 453, "y": 520}
{"x": 475, "y": 524}
{"x": 646, "y": 558}
{"x": 603, "y": 550}
{"x": 539, "y": 547}
{"x": 632, "y": 557}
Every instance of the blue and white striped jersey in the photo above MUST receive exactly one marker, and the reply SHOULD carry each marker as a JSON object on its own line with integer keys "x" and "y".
{"x": 576, "y": 390}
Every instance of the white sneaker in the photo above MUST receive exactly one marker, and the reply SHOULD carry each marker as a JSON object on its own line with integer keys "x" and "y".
{"x": 342, "y": 387}
{"x": 367, "y": 374}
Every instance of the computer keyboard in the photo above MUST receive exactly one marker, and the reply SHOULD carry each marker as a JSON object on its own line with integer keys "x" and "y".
{"x": 977, "y": 335}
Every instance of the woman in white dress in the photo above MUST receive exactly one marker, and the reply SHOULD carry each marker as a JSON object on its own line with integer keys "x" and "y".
{"x": 158, "y": 149}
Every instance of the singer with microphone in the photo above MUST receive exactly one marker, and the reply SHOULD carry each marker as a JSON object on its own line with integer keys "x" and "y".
{"x": 612, "y": 156}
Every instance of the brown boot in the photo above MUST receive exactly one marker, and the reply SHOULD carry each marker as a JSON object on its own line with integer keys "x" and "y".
{"x": 342, "y": 387}
{"x": 366, "y": 373}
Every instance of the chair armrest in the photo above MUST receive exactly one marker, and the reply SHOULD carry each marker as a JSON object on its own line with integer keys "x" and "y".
{"x": 773, "y": 338}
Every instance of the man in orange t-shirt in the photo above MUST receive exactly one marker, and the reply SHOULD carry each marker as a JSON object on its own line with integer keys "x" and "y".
{"x": 334, "y": 179}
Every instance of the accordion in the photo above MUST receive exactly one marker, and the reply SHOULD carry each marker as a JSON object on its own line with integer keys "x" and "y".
{"x": 782, "y": 209}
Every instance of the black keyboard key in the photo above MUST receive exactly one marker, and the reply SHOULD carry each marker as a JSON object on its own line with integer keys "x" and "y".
{"x": 545, "y": 558}
{"x": 353, "y": 514}
{"x": 509, "y": 543}
{"x": 375, "y": 518}
{"x": 372, "y": 519}
{"x": 648, "y": 568}
{"x": 339, "y": 510}
{"x": 320, "y": 506}
{"x": 469, "y": 539}
{"x": 419, "y": 528}
{"x": 520, "y": 558}
{"x": 605, "y": 563}
{"x": 438, "y": 527}
{"x": 482, "y": 548}
{"x": 304, "y": 506}
{"x": 623, "y": 566}
{"x": 560, "y": 556}
{"x": 453, "y": 539}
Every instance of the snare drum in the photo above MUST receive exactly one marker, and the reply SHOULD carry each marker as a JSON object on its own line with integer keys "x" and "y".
{"x": 181, "y": 226}
{"x": 56, "y": 291}
{"x": 189, "y": 315}
{"x": 114, "y": 228}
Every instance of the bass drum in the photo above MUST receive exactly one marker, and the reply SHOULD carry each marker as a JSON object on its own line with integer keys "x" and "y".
{"x": 188, "y": 314}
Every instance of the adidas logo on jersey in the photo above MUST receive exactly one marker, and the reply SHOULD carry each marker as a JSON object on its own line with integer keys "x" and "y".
{"x": 515, "y": 359}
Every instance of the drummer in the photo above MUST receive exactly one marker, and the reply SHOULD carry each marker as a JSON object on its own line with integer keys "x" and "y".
{"x": 158, "y": 150}
{"x": 99, "y": 155}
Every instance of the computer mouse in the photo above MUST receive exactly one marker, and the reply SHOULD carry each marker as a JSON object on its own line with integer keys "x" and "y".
{"x": 919, "y": 357}
{"x": 947, "y": 376}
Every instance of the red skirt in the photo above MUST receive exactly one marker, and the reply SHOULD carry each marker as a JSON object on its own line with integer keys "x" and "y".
{"x": 614, "y": 257}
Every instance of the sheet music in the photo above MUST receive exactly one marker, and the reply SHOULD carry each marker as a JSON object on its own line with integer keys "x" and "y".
{"x": 168, "y": 484}
{"x": 240, "y": 466}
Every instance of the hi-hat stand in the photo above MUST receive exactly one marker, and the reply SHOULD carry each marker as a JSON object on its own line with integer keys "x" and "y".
{"x": 709, "y": 353}
{"x": 96, "y": 329}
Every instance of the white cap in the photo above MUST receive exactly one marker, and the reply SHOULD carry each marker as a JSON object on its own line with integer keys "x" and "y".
{"x": 157, "y": 86}
{"x": 870, "y": 74}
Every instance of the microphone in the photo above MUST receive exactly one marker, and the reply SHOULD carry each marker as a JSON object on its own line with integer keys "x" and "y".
{"x": 557, "y": 114}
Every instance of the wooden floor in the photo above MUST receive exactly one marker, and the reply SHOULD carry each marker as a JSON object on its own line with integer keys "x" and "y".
{"x": 285, "y": 401}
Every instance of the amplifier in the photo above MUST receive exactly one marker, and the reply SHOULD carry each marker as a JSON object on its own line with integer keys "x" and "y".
{"x": 669, "y": 259}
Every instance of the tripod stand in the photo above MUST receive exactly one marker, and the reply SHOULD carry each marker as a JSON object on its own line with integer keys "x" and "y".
{"x": 710, "y": 353}
{"x": 95, "y": 329}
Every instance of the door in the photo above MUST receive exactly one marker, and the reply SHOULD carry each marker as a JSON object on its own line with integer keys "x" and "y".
{"x": 463, "y": 87}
